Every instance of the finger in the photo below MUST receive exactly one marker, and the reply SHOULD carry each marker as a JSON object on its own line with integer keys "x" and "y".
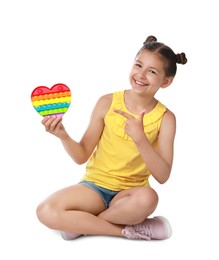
{"x": 59, "y": 124}
{"x": 51, "y": 122}
{"x": 48, "y": 118}
{"x": 141, "y": 116}
{"x": 45, "y": 119}
{"x": 122, "y": 113}
{"x": 55, "y": 123}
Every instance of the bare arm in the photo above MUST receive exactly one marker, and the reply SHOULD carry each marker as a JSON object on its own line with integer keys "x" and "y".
{"x": 159, "y": 163}
{"x": 81, "y": 151}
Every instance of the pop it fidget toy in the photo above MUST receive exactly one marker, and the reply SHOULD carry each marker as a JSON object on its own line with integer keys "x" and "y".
{"x": 53, "y": 101}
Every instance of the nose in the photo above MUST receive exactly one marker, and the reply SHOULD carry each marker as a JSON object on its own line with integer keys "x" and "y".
{"x": 142, "y": 74}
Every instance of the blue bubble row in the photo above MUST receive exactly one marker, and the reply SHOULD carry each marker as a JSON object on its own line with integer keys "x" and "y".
{"x": 52, "y": 106}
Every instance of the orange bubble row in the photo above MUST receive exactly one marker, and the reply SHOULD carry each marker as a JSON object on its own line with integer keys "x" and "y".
{"x": 51, "y": 96}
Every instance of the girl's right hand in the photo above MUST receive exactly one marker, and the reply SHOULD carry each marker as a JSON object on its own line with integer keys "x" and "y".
{"x": 54, "y": 126}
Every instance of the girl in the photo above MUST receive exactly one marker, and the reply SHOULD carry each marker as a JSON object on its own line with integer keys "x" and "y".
{"x": 130, "y": 137}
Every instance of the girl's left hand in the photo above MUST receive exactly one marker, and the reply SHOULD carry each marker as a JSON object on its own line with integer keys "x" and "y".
{"x": 133, "y": 126}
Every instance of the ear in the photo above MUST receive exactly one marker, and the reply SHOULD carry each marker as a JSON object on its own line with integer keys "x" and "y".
{"x": 166, "y": 82}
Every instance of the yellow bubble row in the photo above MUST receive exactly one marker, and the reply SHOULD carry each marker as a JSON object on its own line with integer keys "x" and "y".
{"x": 51, "y": 101}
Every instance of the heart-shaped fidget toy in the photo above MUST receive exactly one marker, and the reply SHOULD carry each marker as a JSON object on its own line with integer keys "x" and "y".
{"x": 51, "y": 101}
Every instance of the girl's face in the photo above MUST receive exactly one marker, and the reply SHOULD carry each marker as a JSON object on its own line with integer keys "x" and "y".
{"x": 147, "y": 74}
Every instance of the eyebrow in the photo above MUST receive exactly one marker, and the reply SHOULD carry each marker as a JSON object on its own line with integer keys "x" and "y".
{"x": 138, "y": 61}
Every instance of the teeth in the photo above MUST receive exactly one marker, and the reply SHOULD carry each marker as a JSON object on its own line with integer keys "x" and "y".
{"x": 139, "y": 83}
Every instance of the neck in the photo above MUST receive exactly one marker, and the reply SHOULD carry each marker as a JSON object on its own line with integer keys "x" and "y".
{"x": 137, "y": 102}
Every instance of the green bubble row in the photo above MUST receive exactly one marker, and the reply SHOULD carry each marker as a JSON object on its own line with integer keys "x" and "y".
{"x": 53, "y": 111}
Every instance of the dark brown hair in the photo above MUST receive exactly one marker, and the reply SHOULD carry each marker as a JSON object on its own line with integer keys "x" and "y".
{"x": 167, "y": 54}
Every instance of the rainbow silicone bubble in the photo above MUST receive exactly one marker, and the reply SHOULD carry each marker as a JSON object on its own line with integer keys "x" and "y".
{"x": 51, "y": 101}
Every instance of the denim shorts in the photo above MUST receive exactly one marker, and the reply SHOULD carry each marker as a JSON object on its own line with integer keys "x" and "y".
{"x": 105, "y": 194}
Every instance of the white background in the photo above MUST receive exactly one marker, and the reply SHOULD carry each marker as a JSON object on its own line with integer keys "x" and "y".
{"x": 90, "y": 46}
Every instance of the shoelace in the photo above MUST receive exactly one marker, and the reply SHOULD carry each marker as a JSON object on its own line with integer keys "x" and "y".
{"x": 144, "y": 231}
{"x": 138, "y": 232}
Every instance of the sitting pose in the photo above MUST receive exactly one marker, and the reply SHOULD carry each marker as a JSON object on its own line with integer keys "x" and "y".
{"x": 130, "y": 137}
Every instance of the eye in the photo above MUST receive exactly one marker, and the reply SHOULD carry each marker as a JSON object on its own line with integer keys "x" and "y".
{"x": 138, "y": 65}
{"x": 153, "y": 72}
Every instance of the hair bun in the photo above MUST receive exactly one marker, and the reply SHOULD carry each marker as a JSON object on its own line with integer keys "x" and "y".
{"x": 181, "y": 58}
{"x": 150, "y": 38}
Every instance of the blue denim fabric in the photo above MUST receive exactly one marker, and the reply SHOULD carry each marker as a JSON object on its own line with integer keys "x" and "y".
{"x": 105, "y": 194}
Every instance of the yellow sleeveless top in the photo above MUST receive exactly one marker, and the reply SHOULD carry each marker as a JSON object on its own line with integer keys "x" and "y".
{"x": 116, "y": 163}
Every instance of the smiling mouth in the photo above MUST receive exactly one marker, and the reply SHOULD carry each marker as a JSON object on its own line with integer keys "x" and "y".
{"x": 140, "y": 84}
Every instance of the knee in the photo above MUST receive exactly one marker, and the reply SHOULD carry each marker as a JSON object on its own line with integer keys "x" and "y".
{"x": 145, "y": 199}
{"x": 47, "y": 215}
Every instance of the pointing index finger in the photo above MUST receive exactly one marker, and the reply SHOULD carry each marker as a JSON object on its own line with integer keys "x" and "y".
{"x": 123, "y": 113}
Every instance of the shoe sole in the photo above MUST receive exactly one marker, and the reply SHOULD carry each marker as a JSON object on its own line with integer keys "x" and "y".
{"x": 69, "y": 236}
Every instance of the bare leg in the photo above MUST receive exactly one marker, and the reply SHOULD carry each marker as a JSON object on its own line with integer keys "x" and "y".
{"x": 75, "y": 209}
{"x": 131, "y": 206}
{"x": 79, "y": 209}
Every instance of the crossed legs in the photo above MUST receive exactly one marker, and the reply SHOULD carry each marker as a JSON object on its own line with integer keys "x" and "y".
{"x": 79, "y": 209}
